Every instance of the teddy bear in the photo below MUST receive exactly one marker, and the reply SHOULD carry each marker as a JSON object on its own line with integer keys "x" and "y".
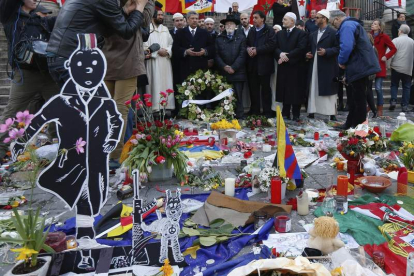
{"x": 323, "y": 235}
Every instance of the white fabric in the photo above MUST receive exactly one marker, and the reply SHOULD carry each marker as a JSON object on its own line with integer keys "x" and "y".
{"x": 273, "y": 81}
{"x": 332, "y": 5}
{"x": 224, "y": 5}
{"x": 325, "y": 105}
{"x": 178, "y": 15}
{"x": 209, "y": 19}
{"x": 301, "y": 8}
{"x": 396, "y": 3}
{"x": 402, "y": 61}
{"x": 159, "y": 69}
{"x": 246, "y": 32}
{"x": 291, "y": 15}
{"x": 220, "y": 96}
{"x": 325, "y": 12}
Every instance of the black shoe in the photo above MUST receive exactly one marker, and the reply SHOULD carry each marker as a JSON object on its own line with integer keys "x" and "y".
{"x": 341, "y": 107}
{"x": 296, "y": 118}
{"x": 346, "y": 109}
{"x": 393, "y": 104}
{"x": 406, "y": 109}
{"x": 333, "y": 118}
{"x": 311, "y": 116}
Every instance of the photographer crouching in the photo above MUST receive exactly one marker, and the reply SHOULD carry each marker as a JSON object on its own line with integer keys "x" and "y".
{"x": 27, "y": 35}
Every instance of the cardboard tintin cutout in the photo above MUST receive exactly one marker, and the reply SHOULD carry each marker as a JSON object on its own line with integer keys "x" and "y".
{"x": 89, "y": 127}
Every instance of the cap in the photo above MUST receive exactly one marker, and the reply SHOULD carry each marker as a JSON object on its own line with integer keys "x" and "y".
{"x": 324, "y": 12}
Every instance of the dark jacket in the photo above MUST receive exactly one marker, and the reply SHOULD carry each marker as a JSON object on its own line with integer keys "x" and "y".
{"x": 232, "y": 52}
{"x": 395, "y": 27}
{"x": 310, "y": 26}
{"x": 28, "y": 26}
{"x": 91, "y": 16}
{"x": 262, "y": 63}
{"x": 184, "y": 40}
{"x": 327, "y": 65}
{"x": 356, "y": 51}
{"x": 279, "y": 12}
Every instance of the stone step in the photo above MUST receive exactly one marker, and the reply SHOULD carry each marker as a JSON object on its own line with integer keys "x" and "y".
{"x": 5, "y": 82}
{"x": 4, "y": 99}
{"x": 5, "y": 90}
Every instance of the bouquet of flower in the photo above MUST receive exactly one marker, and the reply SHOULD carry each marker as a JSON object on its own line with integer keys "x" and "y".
{"x": 266, "y": 175}
{"x": 208, "y": 179}
{"x": 254, "y": 121}
{"x": 224, "y": 124}
{"x": 298, "y": 140}
{"x": 156, "y": 142}
{"x": 407, "y": 155}
{"x": 356, "y": 143}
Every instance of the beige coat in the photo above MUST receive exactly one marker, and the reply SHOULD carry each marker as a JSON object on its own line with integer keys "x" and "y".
{"x": 125, "y": 58}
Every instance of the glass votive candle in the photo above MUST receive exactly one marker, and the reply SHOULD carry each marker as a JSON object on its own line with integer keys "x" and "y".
{"x": 260, "y": 219}
{"x": 282, "y": 224}
{"x": 357, "y": 191}
{"x": 340, "y": 166}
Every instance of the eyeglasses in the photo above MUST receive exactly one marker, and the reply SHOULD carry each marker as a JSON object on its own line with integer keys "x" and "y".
{"x": 317, "y": 17}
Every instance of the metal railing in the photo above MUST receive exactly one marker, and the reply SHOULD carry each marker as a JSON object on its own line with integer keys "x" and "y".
{"x": 375, "y": 9}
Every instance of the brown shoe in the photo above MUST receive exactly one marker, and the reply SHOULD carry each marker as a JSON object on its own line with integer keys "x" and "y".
{"x": 379, "y": 110}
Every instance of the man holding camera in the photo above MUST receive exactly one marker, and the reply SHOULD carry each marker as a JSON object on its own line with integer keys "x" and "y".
{"x": 358, "y": 59}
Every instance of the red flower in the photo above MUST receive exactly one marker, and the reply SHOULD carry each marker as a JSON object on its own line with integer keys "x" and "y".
{"x": 341, "y": 134}
{"x": 149, "y": 124}
{"x": 134, "y": 131}
{"x": 163, "y": 94}
{"x": 148, "y": 104}
{"x": 176, "y": 126}
{"x": 127, "y": 102}
{"x": 247, "y": 154}
{"x": 148, "y": 138}
{"x": 158, "y": 123}
{"x": 137, "y": 106}
{"x": 160, "y": 159}
{"x": 135, "y": 97}
{"x": 259, "y": 122}
{"x": 141, "y": 128}
{"x": 274, "y": 252}
{"x": 147, "y": 96}
{"x": 353, "y": 141}
{"x": 163, "y": 103}
{"x": 170, "y": 91}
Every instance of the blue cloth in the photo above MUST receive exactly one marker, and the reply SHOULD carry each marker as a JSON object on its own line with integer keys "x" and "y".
{"x": 199, "y": 148}
{"x": 130, "y": 125}
{"x": 356, "y": 51}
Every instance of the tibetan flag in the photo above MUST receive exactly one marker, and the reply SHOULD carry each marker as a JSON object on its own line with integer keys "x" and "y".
{"x": 286, "y": 159}
{"x": 199, "y": 6}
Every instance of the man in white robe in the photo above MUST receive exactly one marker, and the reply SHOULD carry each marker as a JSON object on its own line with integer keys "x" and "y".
{"x": 159, "y": 69}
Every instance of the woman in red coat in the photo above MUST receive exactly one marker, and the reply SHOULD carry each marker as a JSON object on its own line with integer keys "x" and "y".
{"x": 382, "y": 42}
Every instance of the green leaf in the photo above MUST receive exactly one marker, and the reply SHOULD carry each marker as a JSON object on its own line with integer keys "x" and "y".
{"x": 48, "y": 249}
{"x": 226, "y": 229}
{"x": 191, "y": 232}
{"x": 10, "y": 240}
{"x": 208, "y": 241}
{"x": 222, "y": 238}
{"x": 216, "y": 223}
{"x": 189, "y": 223}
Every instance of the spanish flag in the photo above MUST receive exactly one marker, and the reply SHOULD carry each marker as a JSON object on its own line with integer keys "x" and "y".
{"x": 286, "y": 159}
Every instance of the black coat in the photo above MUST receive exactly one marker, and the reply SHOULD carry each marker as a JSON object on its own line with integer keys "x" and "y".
{"x": 289, "y": 87}
{"x": 184, "y": 40}
{"x": 279, "y": 12}
{"x": 262, "y": 63}
{"x": 395, "y": 27}
{"x": 310, "y": 26}
{"x": 172, "y": 33}
{"x": 91, "y": 16}
{"x": 328, "y": 67}
{"x": 232, "y": 52}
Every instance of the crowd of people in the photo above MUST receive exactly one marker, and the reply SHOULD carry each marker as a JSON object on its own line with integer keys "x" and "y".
{"x": 293, "y": 63}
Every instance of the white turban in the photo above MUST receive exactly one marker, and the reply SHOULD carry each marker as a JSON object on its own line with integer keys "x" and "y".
{"x": 291, "y": 15}
{"x": 178, "y": 15}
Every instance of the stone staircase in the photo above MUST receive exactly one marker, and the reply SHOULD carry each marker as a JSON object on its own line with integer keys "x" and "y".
{"x": 4, "y": 81}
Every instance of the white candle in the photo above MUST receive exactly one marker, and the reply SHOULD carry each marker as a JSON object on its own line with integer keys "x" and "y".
{"x": 229, "y": 186}
{"x": 267, "y": 148}
{"x": 255, "y": 180}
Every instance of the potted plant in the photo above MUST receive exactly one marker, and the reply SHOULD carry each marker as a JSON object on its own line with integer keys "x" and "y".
{"x": 154, "y": 149}
{"x": 407, "y": 158}
{"x": 30, "y": 227}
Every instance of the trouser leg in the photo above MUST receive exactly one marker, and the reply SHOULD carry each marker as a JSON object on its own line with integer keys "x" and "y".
{"x": 254, "y": 87}
{"x": 266, "y": 94}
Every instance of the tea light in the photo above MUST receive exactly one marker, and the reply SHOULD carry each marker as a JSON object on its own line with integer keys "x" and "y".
{"x": 229, "y": 186}
{"x": 267, "y": 148}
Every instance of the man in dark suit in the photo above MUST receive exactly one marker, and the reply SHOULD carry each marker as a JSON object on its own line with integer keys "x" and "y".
{"x": 310, "y": 25}
{"x": 260, "y": 65}
{"x": 178, "y": 20}
{"x": 290, "y": 51}
{"x": 193, "y": 46}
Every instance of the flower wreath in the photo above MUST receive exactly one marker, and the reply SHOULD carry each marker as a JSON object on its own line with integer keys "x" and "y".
{"x": 194, "y": 85}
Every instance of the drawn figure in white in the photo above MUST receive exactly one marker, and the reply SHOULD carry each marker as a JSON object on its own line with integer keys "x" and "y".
{"x": 169, "y": 227}
{"x": 87, "y": 120}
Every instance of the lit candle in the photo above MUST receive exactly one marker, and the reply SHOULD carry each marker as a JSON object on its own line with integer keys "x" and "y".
{"x": 267, "y": 148}
{"x": 229, "y": 186}
{"x": 255, "y": 180}
{"x": 342, "y": 185}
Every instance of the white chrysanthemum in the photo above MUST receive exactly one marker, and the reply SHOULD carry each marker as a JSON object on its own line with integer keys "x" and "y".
{"x": 184, "y": 84}
{"x": 187, "y": 92}
{"x": 301, "y": 135}
{"x": 199, "y": 80}
{"x": 226, "y": 107}
{"x": 226, "y": 102}
{"x": 203, "y": 116}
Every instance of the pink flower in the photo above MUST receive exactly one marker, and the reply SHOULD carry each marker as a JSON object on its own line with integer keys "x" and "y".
{"x": 173, "y": 154}
{"x": 163, "y": 103}
{"x": 134, "y": 141}
{"x": 24, "y": 117}
{"x": 16, "y": 133}
{"x": 140, "y": 103}
{"x": 163, "y": 94}
{"x": 7, "y": 140}
{"x": 6, "y": 126}
{"x": 163, "y": 141}
{"x": 137, "y": 106}
{"x": 79, "y": 146}
{"x": 127, "y": 102}
{"x": 169, "y": 145}
{"x": 139, "y": 136}
{"x": 135, "y": 97}
{"x": 170, "y": 91}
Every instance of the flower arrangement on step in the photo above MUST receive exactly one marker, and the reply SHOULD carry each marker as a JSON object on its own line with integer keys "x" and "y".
{"x": 266, "y": 175}
{"x": 30, "y": 227}
{"x": 198, "y": 83}
{"x": 156, "y": 142}
{"x": 353, "y": 144}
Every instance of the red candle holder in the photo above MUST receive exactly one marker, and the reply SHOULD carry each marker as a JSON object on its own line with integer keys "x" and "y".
{"x": 276, "y": 190}
{"x": 316, "y": 136}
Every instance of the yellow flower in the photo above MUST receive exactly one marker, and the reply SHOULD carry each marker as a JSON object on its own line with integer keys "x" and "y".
{"x": 352, "y": 153}
{"x": 15, "y": 204}
{"x": 167, "y": 268}
{"x": 25, "y": 253}
{"x": 410, "y": 146}
{"x": 376, "y": 138}
{"x": 405, "y": 154}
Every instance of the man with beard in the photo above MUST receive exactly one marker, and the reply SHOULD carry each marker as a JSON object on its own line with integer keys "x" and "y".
{"x": 291, "y": 46}
{"x": 209, "y": 22}
{"x": 245, "y": 24}
{"x": 159, "y": 65}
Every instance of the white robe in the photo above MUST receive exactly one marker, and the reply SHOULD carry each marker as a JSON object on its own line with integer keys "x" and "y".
{"x": 325, "y": 105}
{"x": 159, "y": 69}
{"x": 273, "y": 81}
